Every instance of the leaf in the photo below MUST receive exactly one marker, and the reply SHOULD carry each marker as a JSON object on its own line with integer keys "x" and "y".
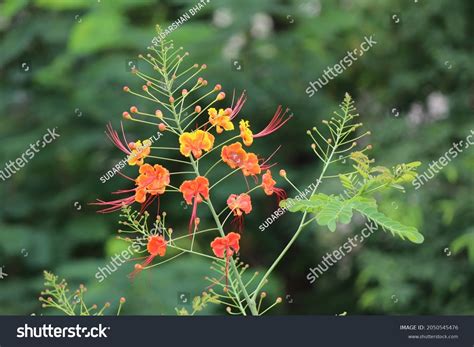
{"x": 315, "y": 203}
{"x": 335, "y": 210}
{"x": 328, "y": 209}
{"x": 370, "y": 211}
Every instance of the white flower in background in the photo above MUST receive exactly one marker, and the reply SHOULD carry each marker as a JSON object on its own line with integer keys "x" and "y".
{"x": 262, "y": 25}
{"x": 234, "y": 45}
{"x": 437, "y": 105}
{"x": 222, "y": 18}
{"x": 416, "y": 113}
{"x": 311, "y": 8}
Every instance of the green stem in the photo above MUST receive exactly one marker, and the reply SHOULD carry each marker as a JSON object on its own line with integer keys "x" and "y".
{"x": 303, "y": 218}
{"x": 250, "y": 302}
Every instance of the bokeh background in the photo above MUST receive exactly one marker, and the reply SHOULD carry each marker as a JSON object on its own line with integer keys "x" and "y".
{"x": 63, "y": 64}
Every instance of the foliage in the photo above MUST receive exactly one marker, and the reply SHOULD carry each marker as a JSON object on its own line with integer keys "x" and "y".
{"x": 427, "y": 53}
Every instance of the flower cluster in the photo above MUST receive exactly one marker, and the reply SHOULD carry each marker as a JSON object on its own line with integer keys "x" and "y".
{"x": 156, "y": 176}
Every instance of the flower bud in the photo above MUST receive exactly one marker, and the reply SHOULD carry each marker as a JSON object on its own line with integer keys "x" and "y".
{"x": 282, "y": 173}
{"x": 220, "y": 96}
{"x": 133, "y": 109}
{"x": 126, "y": 89}
{"x": 171, "y": 99}
{"x": 145, "y": 88}
{"x": 159, "y": 114}
{"x": 203, "y": 66}
{"x": 122, "y": 300}
{"x": 217, "y": 87}
{"x": 184, "y": 92}
{"x": 278, "y": 300}
{"x": 197, "y": 109}
{"x": 126, "y": 115}
{"x": 162, "y": 127}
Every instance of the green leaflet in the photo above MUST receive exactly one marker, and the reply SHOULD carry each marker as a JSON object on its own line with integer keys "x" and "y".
{"x": 330, "y": 210}
{"x": 395, "y": 227}
{"x": 316, "y": 202}
{"x": 335, "y": 211}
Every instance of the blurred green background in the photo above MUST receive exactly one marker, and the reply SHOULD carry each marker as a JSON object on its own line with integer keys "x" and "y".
{"x": 63, "y": 64}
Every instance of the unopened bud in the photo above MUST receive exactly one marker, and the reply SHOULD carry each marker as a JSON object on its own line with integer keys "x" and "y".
{"x": 220, "y": 96}
{"x": 126, "y": 115}
{"x": 184, "y": 92}
{"x": 126, "y": 89}
{"x": 159, "y": 114}
{"x": 122, "y": 300}
{"x": 162, "y": 127}
{"x": 197, "y": 109}
{"x": 218, "y": 87}
{"x": 133, "y": 109}
{"x": 282, "y": 173}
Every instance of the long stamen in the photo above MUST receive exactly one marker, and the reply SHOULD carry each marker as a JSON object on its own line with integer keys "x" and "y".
{"x": 276, "y": 123}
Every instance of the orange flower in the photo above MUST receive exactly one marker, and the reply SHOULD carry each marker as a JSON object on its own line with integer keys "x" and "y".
{"x": 226, "y": 246}
{"x": 152, "y": 180}
{"x": 221, "y": 119}
{"x": 251, "y": 166}
{"x": 156, "y": 246}
{"x": 245, "y": 132}
{"x": 240, "y": 204}
{"x": 197, "y": 190}
{"x": 139, "y": 152}
{"x": 195, "y": 142}
{"x": 234, "y": 155}
{"x": 268, "y": 185}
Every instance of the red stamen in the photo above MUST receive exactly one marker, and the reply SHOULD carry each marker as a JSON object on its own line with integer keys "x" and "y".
{"x": 276, "y": 123}
{"x": 114, "y": 137}
{"x": 238, "y": 106}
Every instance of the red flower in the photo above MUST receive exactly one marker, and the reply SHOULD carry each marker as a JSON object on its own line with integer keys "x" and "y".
{"x": 194, "y": 192}
{"x": 225, "y": 247}
{"x": 268, "y": 185}
{"x": 156, "y": 246}
{"x": 239, "y": 204}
